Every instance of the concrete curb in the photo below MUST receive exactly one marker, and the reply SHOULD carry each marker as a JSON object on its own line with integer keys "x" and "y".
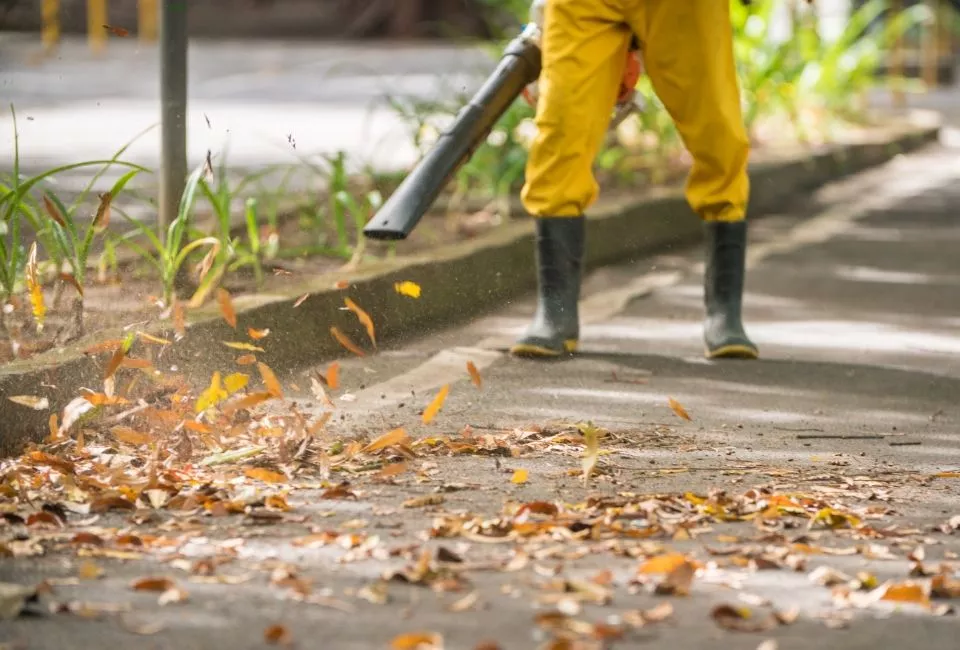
{"x": 458, "y": 282}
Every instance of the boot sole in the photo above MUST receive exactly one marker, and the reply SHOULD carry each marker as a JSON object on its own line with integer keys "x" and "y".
{"x": 531, "y": 351}
{"x": 733, "y": 352}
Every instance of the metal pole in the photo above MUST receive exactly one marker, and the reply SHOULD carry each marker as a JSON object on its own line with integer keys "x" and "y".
{"x": 173, "y": 109}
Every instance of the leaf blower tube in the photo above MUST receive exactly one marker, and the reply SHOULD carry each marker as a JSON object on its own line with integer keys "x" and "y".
{"x": 519, "y": 67}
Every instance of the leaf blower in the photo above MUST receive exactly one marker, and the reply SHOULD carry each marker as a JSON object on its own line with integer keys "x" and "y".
{"x": 515, "y": 76}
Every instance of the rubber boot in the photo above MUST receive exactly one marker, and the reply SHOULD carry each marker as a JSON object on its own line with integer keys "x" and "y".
{"x": 724, "y": 335}
{"x": 559, "y": 253}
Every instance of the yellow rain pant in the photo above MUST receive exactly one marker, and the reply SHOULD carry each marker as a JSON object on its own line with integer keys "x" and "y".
{"x": 687, "y": 49}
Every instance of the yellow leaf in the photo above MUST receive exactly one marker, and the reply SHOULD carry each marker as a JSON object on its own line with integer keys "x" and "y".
{"x": 243, "y": 346}
{"x": 214, "y": 394}
{"x": 519, "y": 476}
{"x": 835, "y": 519}
{"x": 35, "y": 288}
{"x": 474, "y": 374}
{"x": 345, "y": 341}
{"x": 947, "y": 475}
{"x": 431, "y": 411}
{"x": 407, "y": 288}
{"x": 226, "y": 307}
{"x": 235, "y": 382}
{"x": 364, "y": 319}
{"x": 270, "y": 380}
{"x": 265, "y": 475}
{"x": 417, "y": 641}
{"x": 678, "y": 409}
{"x": 256, "y": 335}
{"x": 386, "y": 440}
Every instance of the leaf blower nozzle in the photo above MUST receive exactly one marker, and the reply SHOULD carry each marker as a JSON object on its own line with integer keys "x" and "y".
{"x": 519, "y": 67}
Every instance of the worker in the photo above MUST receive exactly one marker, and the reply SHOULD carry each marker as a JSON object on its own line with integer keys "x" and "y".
{"x": 687, "y": 51}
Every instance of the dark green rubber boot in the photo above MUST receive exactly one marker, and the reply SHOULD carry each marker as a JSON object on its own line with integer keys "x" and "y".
{"x": 556, "y": 325}
{"x": 724, "y": 335}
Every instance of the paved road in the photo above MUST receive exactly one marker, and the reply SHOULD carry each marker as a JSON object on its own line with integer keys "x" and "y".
{"x": 256, "y": 95}
{"x": 852, "y": 298}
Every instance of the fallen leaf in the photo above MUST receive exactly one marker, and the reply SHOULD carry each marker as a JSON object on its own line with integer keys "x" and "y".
{"x": 832, "y": 518}
{"x": 431, "y": 411}
{"x": 102, "y": 218}
{"x": 769, "y": 644}
{"x": 14, "y": 597}
{"x": 153, "y": 583}
{"x": 117, "y": 31}
{"x": 417, "y": 641}
{"x": 270, "y": 380}
{"x": 131, "y": 436}
{"x": 31, "y": 401}
{"x": 226, "y": 307}
{"x": 212, "y": 395}
{"x": 345, "y": 341}
{"x": 386, "y": 440}
{"x": 247, "y": 347}
{"x": 663, "y": 563}
{"x": 943, "y": 586}
{"x": 341, "y": 285}
{"x": 32, "y": 276}
{"x": 110, "y": 502}
{"x": 678, "y": 581}
{"x": 407, "y": 288}
{"x": 465, "y": 603}
{"x": 235, "y": 381}
{"x": 474, "y": 374}
{"x": 256, "y": 335}
{"x": 947, "y": 475}
{"x": 678, "y": 409}
{"x": 519, "y": 476}
{"x": 591, "y": 451}
{"x": 88, "y": 570}
{"x": 246, "y": 360}
{"x": 332, "y": 376}
{"x": 265, "y": 475}
{"x": 301, "y": 300}
{"x": 904, "y": 592}
{"x": 740, "y": 619}
{"x": 278, "y": 635}
{"x": 394, "y": 469}
{"x": 424, "y": 501}
{"x": 364, "y": 319}
{"x": 179, "y": 318}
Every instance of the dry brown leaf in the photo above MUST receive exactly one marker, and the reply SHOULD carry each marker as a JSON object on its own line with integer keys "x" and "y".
{"x": 265, "y": 475}
{"x": 301, "y": 300}
{"x": 122, "y": 32}
{"x": 944, "y": 586}
{"x": 394, "y": 469}
{"x": 179, "y": 318}
{"x": 340, "y": 285}
{"x": 246, "y": 360}
{"x": 465, "y": 603}
{"x": 678, "y": 409}
{"x": 153, "y": 583}
{"x": 431, "y": 411}
{"x": 345, "y": 341}
{"x": 226, "y": 307}
{"x": 386, "y": 440}
{"x": 270, "y": 380}
{"x": 947, "y": 475}
{"x": 71, "y": 279}
{"x": 102, "y": 219}
{"x": 131, "y": 436}
{"x": 417, "y": 641}
{"x": 277, "y": 635}
{"x": 53, "y": 211}
{"x": 474, "y": 374}
{"x": 333, "y": 375}
{"x": 364, "y": 319}
{"x": 256, "y": 334}
{"x": 678, "y": 581}
{"x": 519, "y": 476}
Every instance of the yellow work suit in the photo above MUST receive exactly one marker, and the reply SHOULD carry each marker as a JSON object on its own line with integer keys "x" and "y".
{"x": 687, "y": 48}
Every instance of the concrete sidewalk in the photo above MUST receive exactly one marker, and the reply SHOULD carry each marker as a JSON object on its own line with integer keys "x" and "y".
{"x": 852, "y": 298}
